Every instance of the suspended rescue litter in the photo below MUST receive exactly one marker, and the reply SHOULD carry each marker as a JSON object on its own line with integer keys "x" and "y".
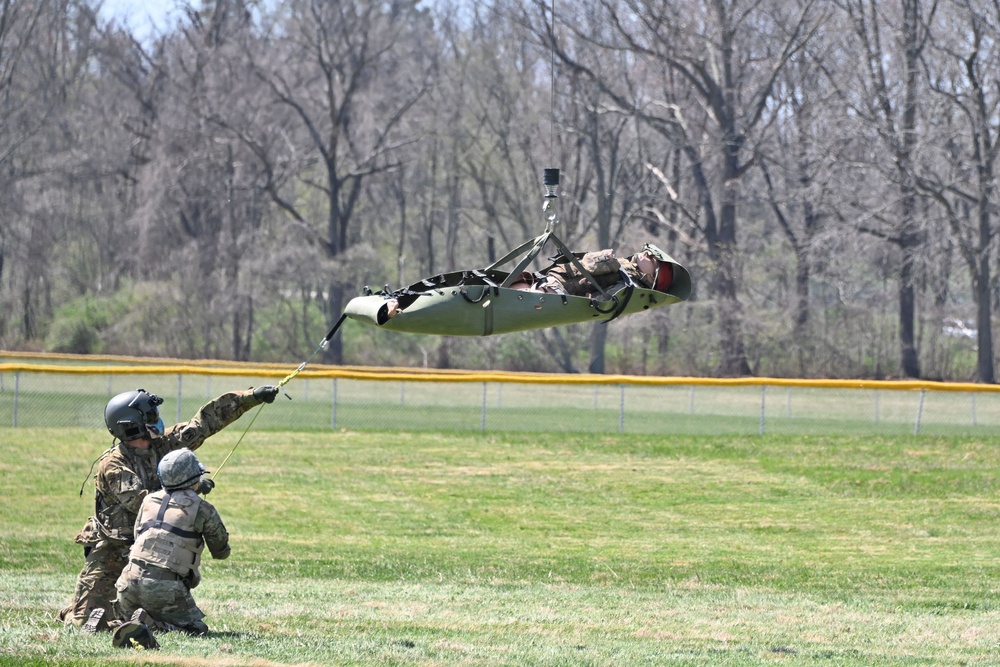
{"x": 482, "y": 302}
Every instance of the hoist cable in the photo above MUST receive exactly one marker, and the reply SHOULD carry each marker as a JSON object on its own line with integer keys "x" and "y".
{"x": 285, "y": 380}
{"x": 552, "y": 81}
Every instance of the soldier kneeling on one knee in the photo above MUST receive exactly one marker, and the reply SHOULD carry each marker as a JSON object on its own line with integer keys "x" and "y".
{"x": 172, "y": 529}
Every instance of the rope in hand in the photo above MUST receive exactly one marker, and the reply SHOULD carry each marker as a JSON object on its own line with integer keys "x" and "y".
{"x": 285, "y": 380}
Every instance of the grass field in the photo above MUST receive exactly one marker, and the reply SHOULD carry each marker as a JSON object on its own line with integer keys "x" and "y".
{"x": 465, "y": 548}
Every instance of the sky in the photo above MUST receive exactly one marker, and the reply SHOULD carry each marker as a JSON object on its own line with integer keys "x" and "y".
{"x": 140, "y": 15}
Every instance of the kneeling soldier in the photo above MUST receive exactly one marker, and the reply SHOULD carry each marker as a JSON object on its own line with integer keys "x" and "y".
{"x": 172, "y": 529}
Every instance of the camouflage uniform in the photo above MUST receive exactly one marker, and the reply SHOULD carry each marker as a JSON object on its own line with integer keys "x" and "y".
{"x": 124, "y": 476}
{"x": 564, "y": 278}
{"x": 172, "y": 529}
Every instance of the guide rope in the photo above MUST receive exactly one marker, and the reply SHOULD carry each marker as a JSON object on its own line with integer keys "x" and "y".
{"x": 281, "y": 383}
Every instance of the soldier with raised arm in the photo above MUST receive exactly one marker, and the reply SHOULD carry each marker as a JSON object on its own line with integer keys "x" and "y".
{"x": 126, "y": 474}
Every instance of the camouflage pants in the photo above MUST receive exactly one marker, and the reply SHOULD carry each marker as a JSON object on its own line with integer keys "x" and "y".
{"x": 95, "y": 585}
{"x": 167, "y": 601}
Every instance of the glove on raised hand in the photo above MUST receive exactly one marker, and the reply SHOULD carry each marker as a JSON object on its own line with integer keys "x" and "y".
{"x": 265, "y": 393}
{"x": 205, "y": 486}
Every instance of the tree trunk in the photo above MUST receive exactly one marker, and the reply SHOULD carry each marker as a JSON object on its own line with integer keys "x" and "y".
{"x": 598, "y": 342}
{"x": 909, "y": 363}
{"x": 334, "y": 353}
{"x": 733, "y": 361}
{"x": 909, "y": 241}
{"x": 984, "y": 302}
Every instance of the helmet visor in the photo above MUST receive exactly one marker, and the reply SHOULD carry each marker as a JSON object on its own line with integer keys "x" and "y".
{"x": 155, "y": 430}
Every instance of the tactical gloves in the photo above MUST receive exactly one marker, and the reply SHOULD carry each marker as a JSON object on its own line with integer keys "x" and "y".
{"x": 265, "y": 393}
{"x": 205, "y": 486}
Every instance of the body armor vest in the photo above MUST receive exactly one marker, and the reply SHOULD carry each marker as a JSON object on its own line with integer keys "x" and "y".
{"x": 166, "y": 536}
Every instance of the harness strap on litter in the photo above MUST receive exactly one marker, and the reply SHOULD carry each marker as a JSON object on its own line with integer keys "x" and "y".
{"x": 629, "y": 291}
{"x": 485, "y": 278}
{"x": 595, "y": 304}
{"x": 463, "y": 290}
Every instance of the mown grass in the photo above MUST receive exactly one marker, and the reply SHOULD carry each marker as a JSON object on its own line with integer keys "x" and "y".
{"x": 464, "y": 548}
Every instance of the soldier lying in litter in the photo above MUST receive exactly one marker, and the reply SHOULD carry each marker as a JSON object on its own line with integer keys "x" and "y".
{"x": 645, "y": 269}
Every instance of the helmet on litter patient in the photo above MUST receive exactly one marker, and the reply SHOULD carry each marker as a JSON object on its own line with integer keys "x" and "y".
{"x": 179, "y": 469}
{"x": 134, "y": 414}
{"x": 663, "y": 277}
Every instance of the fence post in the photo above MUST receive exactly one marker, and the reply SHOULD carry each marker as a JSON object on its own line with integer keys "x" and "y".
{"x": 482, "y": 419}
{"x": 691, "y": 400}
{"x": 180, "y": 395}
{"x": 17, "y": 392}
{"x": 763, "y": 402}
{"x": 621, "y": 411}
{"x": 333, "y": 407}
{"x": 920, "y": 412}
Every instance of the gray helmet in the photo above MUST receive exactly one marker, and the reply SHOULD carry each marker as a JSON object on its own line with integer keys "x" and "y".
{"x": 179, "y": 469}
{"x": 134, "y": 414}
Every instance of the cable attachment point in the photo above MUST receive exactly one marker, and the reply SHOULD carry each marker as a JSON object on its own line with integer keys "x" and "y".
{"x": 550, "y": 179}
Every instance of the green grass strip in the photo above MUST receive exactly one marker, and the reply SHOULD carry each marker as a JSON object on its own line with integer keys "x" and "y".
{"x": 461, "y": 548}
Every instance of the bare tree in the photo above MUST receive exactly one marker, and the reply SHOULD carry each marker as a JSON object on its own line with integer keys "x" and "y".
{"x": 885, "y": 92}
{"x": 966, "y": 50}
{"x": 728, "y": 58}
{"x": 796, "y": 164}
{"x": 619, "y": 176}
{"x": 348, "y": 72}
{"x": 221, "y": 206}
{"x": 45, "y": 46}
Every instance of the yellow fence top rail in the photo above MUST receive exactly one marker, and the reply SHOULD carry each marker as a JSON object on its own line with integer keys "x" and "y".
{"x": 113, "y": 365}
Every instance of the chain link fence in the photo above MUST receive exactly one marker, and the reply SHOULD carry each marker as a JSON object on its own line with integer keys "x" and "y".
{"x": 59, "y": 391}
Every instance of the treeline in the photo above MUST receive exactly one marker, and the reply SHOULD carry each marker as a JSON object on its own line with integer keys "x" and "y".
{"x": 221, "y": 189}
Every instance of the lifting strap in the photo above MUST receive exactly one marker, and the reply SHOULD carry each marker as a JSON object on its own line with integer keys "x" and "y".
{"x": 537, "y": 244}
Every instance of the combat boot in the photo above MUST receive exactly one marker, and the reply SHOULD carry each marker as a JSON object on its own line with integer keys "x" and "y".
{"x": 140, "y": 615}
{"x": 96, "y": 622}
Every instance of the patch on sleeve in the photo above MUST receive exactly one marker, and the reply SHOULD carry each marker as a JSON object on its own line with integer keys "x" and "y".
{"x": 128, "y": 481}
{"x": 188, "y": 434}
